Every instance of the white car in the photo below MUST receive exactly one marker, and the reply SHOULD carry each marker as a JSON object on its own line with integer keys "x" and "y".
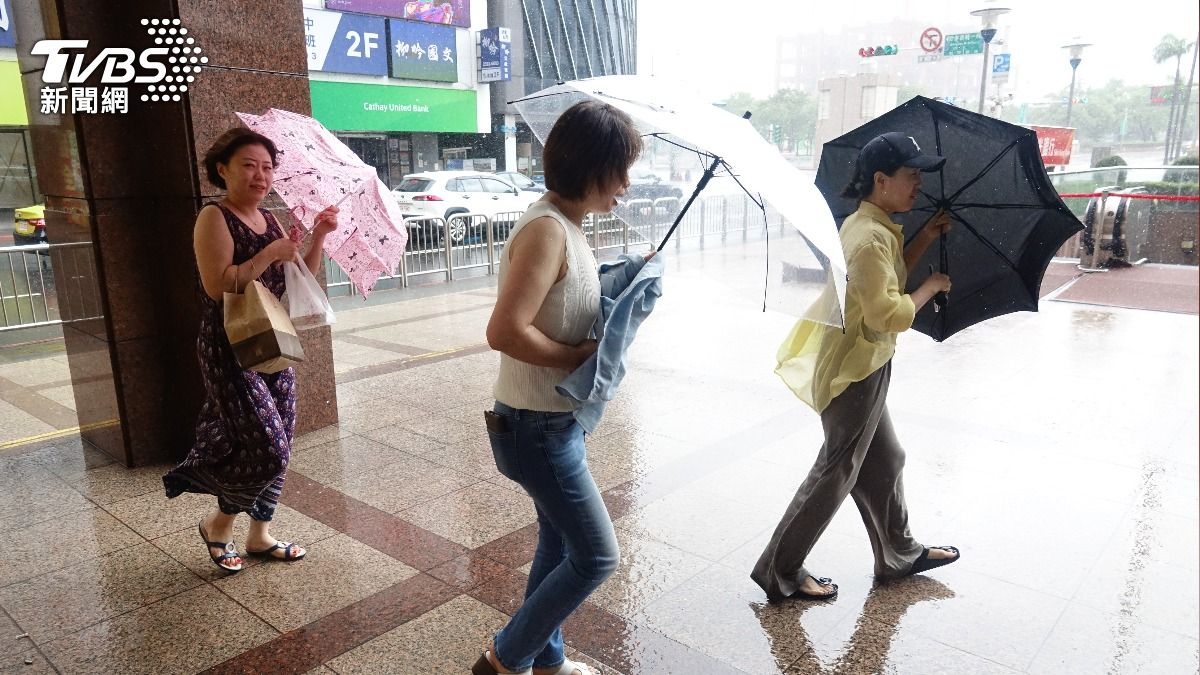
{"x": 441, "y": 194}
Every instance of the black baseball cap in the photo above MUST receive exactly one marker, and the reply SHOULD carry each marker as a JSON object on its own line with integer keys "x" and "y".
{"x": 890, "y": 151}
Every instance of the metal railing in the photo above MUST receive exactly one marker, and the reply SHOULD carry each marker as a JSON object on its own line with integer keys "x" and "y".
{"x": 465, "y": 242}
{"x": 28, "y": 295}
{"x": 438, "y": 249}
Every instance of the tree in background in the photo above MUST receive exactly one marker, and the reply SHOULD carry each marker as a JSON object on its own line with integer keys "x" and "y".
{"x": 1171, "y": 47}
{"x": 790, "y": 111}
{"x": 1187, "y": 99}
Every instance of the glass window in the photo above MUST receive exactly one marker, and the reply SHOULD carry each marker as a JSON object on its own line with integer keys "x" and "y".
{"x": 414, "y": 185}
{"x": 493, "y": 185}
{"x": 469, "y": 185}
{"x": 823, "y": 104}
{"x": 867, "y": 108}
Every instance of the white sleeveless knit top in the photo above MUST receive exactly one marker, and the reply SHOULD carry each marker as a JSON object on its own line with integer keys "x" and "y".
{"x": 566, "y": 316}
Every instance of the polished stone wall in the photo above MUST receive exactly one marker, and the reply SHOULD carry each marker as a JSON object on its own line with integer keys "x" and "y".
{"x": 126, "y": 189}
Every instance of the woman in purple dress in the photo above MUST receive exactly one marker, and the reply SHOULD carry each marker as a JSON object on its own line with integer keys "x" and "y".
{"x": 244, "y": 432}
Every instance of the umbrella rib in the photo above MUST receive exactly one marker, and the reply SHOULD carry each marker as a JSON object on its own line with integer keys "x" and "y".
{"x": 981, "y": 205}
{"x": 982, "y": 173}
{"x": 664, "y": 139}
{"x": 982, "y": 239}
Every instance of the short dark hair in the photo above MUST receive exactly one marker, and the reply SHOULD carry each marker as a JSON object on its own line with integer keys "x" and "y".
{"x": 223, "y": 149}
{"x": 592, "y": 142}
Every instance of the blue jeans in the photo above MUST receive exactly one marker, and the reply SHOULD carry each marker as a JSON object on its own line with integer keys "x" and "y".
{"x": 577, "y": 547}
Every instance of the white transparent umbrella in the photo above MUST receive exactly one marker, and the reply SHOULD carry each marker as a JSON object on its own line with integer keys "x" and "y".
{"x": 806, "y": 275}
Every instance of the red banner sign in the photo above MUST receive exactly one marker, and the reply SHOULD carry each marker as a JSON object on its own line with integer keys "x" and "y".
{"x": 1055, "y": 144}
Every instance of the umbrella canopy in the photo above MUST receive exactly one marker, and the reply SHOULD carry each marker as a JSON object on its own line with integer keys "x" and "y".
{"x": 726, "y": 144}
{"x": 1008, "y": 218}
{"x": 317, "y": 170}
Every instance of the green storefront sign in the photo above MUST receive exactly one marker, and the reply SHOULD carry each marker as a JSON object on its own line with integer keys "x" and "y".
{"x": 346, "y": 106}
{"x": 960, "y": 44}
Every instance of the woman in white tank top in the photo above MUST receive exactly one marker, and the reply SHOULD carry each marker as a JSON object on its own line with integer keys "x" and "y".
{"x": 548, "y": 300}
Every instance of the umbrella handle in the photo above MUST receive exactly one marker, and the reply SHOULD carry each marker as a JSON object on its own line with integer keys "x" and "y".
{"x": 940, "y": 299}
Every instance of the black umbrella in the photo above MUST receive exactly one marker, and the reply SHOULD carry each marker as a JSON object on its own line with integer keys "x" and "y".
{"x": 1008, "y": 218}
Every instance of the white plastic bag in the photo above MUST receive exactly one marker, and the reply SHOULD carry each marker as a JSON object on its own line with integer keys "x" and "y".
{"x": 304, "y": 299}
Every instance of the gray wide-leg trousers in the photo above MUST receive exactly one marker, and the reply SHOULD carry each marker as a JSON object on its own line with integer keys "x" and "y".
{"x": 862, "y": 458}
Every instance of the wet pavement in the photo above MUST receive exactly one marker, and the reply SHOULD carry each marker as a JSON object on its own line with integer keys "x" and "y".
{"x": 1058, "y": 450}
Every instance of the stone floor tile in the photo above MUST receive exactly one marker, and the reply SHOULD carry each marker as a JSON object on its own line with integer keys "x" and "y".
{"x": 185, "y": 633}
{"x": 73, "y": 598}
{"x": 336, "y": 572}
{"x": 860, "y": 644}
{"x": 343, "y": 458}
{"x": 114, "y": 482}
{"x": 1086, "y": 640}
{"x": 991, "y": 619}
{"x": 152, "y": 515}
{"x": 649, "y": 570}
{"x": 39, "y": 497}
{"x": 66, "y": 458}
{"x": 320, "y": 437}
{"x": 470, "y": 458}
{"x": 405, "y": 483}
{"x": 1009, "y": 541}
{"x": 721, "y": 613}
{"x": 363, "y": 417}
{"x": 1130, "y": 580}
{"x": 403, "y": 439}
{"x": 698, "y": 522}
{"x": 474, "y": 515}
{"x": 447, "y": 639}
{"x": 55, "y": 544}
{"x": 27, "y": 661}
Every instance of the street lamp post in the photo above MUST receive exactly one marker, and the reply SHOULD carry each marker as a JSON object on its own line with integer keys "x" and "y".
{"x": 1076, "y": 52}
{"x": 988, "y": 14}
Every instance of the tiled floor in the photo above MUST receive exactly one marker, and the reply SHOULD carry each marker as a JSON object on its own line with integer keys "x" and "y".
{"x": 1058, "y": 450}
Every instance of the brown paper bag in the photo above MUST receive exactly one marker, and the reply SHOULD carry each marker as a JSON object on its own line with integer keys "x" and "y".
{"x": 260, "y": 331}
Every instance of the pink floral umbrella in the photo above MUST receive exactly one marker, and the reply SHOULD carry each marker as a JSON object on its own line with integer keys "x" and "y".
{"x": 317, "y": 170}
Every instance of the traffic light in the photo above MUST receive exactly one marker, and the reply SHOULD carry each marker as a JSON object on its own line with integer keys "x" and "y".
{"x": 883, "y": 50}
{"x": 776, "y": 134}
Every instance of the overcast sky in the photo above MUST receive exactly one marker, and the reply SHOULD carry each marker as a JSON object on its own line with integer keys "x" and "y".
{"x": 723, "y": 47}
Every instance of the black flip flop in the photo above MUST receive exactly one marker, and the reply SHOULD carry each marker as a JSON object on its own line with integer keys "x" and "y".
{"x": 924, "y": 563}
{"x": 287, "y": 548}
{"x": 219, "y": 560}
{"x": 824, "y": 581}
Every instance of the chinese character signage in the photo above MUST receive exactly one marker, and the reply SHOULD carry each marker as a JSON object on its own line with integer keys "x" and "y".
{"x": 7, "y": 37}
{"x": 495, "y": 55}
{"x": 159, "y": 74}
{"x": 345, "y": 43}
{"x": 959, "y": 44}
{"x": 422, "y": 51}
{"x": 1055, "y": 144}
{"x": 448, "y": 12}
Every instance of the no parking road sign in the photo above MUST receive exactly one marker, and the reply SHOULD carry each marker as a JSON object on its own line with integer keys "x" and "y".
{"x": 931, "y": 40}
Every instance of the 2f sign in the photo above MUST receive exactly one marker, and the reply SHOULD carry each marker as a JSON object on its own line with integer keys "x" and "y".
{"x": 361, "y": 44}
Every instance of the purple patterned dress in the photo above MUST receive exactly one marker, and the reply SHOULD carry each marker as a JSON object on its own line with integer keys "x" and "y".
{"x": 244, "y": 432}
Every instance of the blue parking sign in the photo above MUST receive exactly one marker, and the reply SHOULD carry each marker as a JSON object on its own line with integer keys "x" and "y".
{"x": 1001, "y": 63}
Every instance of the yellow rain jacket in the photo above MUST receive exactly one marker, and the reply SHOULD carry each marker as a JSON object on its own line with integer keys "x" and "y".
{"x": 818, "y": 361}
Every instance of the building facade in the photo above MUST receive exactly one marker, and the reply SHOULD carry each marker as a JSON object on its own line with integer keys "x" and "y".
{"x": 424, "y": 86}
{"x": 554, "y": 41}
